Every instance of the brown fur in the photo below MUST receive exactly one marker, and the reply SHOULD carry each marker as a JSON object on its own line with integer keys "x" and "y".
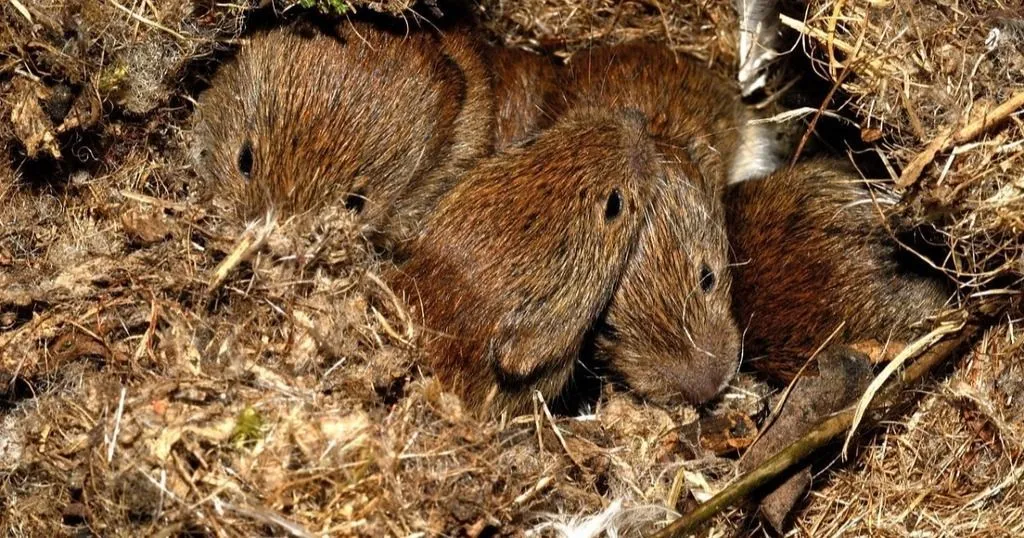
{"x": 693, "y": 112}
{"x": 382, "y": 122}
{"x": 812, "y": 253}
{"x": 669, "y": 338}
{"x": 525, "y": 85}
{"x": 520, "y": 260}
{"x": 669, "y": 335}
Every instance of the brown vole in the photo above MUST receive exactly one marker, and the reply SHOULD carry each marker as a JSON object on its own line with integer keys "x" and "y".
{"x": 693, "y": 111}
{"x": 812, "y": 255}
{"x": 669, "y": 330}
{"x": 815, "y": 259}
{"x": 378, "y": 121}
{"x": 517, "y": 268}
{"x": 527, "y": 91}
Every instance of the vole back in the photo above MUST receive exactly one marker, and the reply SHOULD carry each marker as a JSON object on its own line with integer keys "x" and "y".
{"x": 527, "y": 93}
{"x": 693, "y": 111}
{"x": 813, "y": 256}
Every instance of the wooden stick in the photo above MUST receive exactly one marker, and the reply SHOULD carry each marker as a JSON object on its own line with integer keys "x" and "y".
{"x": 821, "y": 435}
{"x": 253, "y": 239}
{"x": 947, "y": 139}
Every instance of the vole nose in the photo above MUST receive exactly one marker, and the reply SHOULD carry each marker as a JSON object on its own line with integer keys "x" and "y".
{"x": 712, "y": 376}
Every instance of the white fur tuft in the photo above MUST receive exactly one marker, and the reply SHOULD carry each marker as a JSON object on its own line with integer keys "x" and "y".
{"x": 758, "y": 33}
{"x": 612, "y": 522}
{"x": 758, "y": 154}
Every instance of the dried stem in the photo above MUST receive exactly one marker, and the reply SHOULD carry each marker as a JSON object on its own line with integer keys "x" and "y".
{"x": 822, "y": 434}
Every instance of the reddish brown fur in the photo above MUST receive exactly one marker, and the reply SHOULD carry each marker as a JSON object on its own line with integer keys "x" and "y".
{"x": 693, "y": 112}
{"x": 520, "y": 261}
{"x": 525, "y": 85}
{"x": 669, "y": 338}
{"x": 812, "y": 254}
{"x": 379, "y": 120}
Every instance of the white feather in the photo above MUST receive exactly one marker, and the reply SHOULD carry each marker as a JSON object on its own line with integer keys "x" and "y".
{"x": 612, "y": 522}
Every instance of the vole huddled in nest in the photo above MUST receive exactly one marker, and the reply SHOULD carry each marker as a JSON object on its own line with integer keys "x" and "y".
{"x": 332, "y": 121}
{"x": 457, "y": 154}
{"x": 380, "y": 122}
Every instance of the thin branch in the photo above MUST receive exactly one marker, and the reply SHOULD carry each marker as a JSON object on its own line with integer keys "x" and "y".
{"x": 822, "y": 434}
{"x": 947, "y": 139}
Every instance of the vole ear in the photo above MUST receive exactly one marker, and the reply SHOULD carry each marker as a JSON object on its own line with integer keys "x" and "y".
{"x": 568, "y": 285}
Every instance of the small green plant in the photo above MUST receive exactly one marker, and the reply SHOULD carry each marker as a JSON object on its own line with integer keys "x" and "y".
{"x": 112, "y": 79}
{"x": 339, "y": 7}
{"x": 248, "y": 428}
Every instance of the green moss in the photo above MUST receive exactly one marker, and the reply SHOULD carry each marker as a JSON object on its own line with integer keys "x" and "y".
{"x": 338, "y": 7}
{"x": 248, "y": 428}
{"x": 111, "y": 80}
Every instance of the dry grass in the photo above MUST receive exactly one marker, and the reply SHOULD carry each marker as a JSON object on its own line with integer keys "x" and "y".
{"x": 698, "y": 27}
{"x": 924, "y": 73}
{"x": 138, "y": 399}
{"x": 931, "y": 78}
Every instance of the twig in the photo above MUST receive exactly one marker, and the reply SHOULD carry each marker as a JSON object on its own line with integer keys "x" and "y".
{"x": 784, "y": 397}
{"x": 267, "y": 517}
{"x": 251, "y": 241}
{"x": 529, "y": 494}
{"x": 895, "y": 364}
{"x": 136, "y": 197}
{"x": 554, "y": 428}
{"x": 150, "y": 23}
{"x": 20, "y": 8}
{"x": 838, "y": 83}
{"x": 823, "y": 433}
{"x": 873, "y": 67}
{"x": 112, "y": 444}
{"x": 399, "y": 307}
{"x": 947, "y": 139}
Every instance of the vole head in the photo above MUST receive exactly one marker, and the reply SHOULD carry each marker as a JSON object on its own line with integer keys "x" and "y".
{"x": 299, "y": 121}
{"x": 669, "y": 330}
{"x": 522, "y": 258}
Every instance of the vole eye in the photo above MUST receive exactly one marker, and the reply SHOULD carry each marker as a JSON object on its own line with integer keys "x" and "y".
{"x": 355, "y": 201}
{"x": 245, "y": 160}
{"x": 613, "y": 207}
{"x": 707, "y": 278}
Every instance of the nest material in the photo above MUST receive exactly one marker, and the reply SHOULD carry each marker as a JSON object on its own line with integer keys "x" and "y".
{"x": 929, "y": 78}
{"x": 698, "y": 27}
{"x": 142, "y": 394}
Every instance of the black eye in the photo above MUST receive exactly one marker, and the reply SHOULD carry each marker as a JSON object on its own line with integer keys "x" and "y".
{"x": 707, "y": 278}
{"x": 245, "y": 159}
{"x": 355, "y": 201}
{"x": 614, "y": 205}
